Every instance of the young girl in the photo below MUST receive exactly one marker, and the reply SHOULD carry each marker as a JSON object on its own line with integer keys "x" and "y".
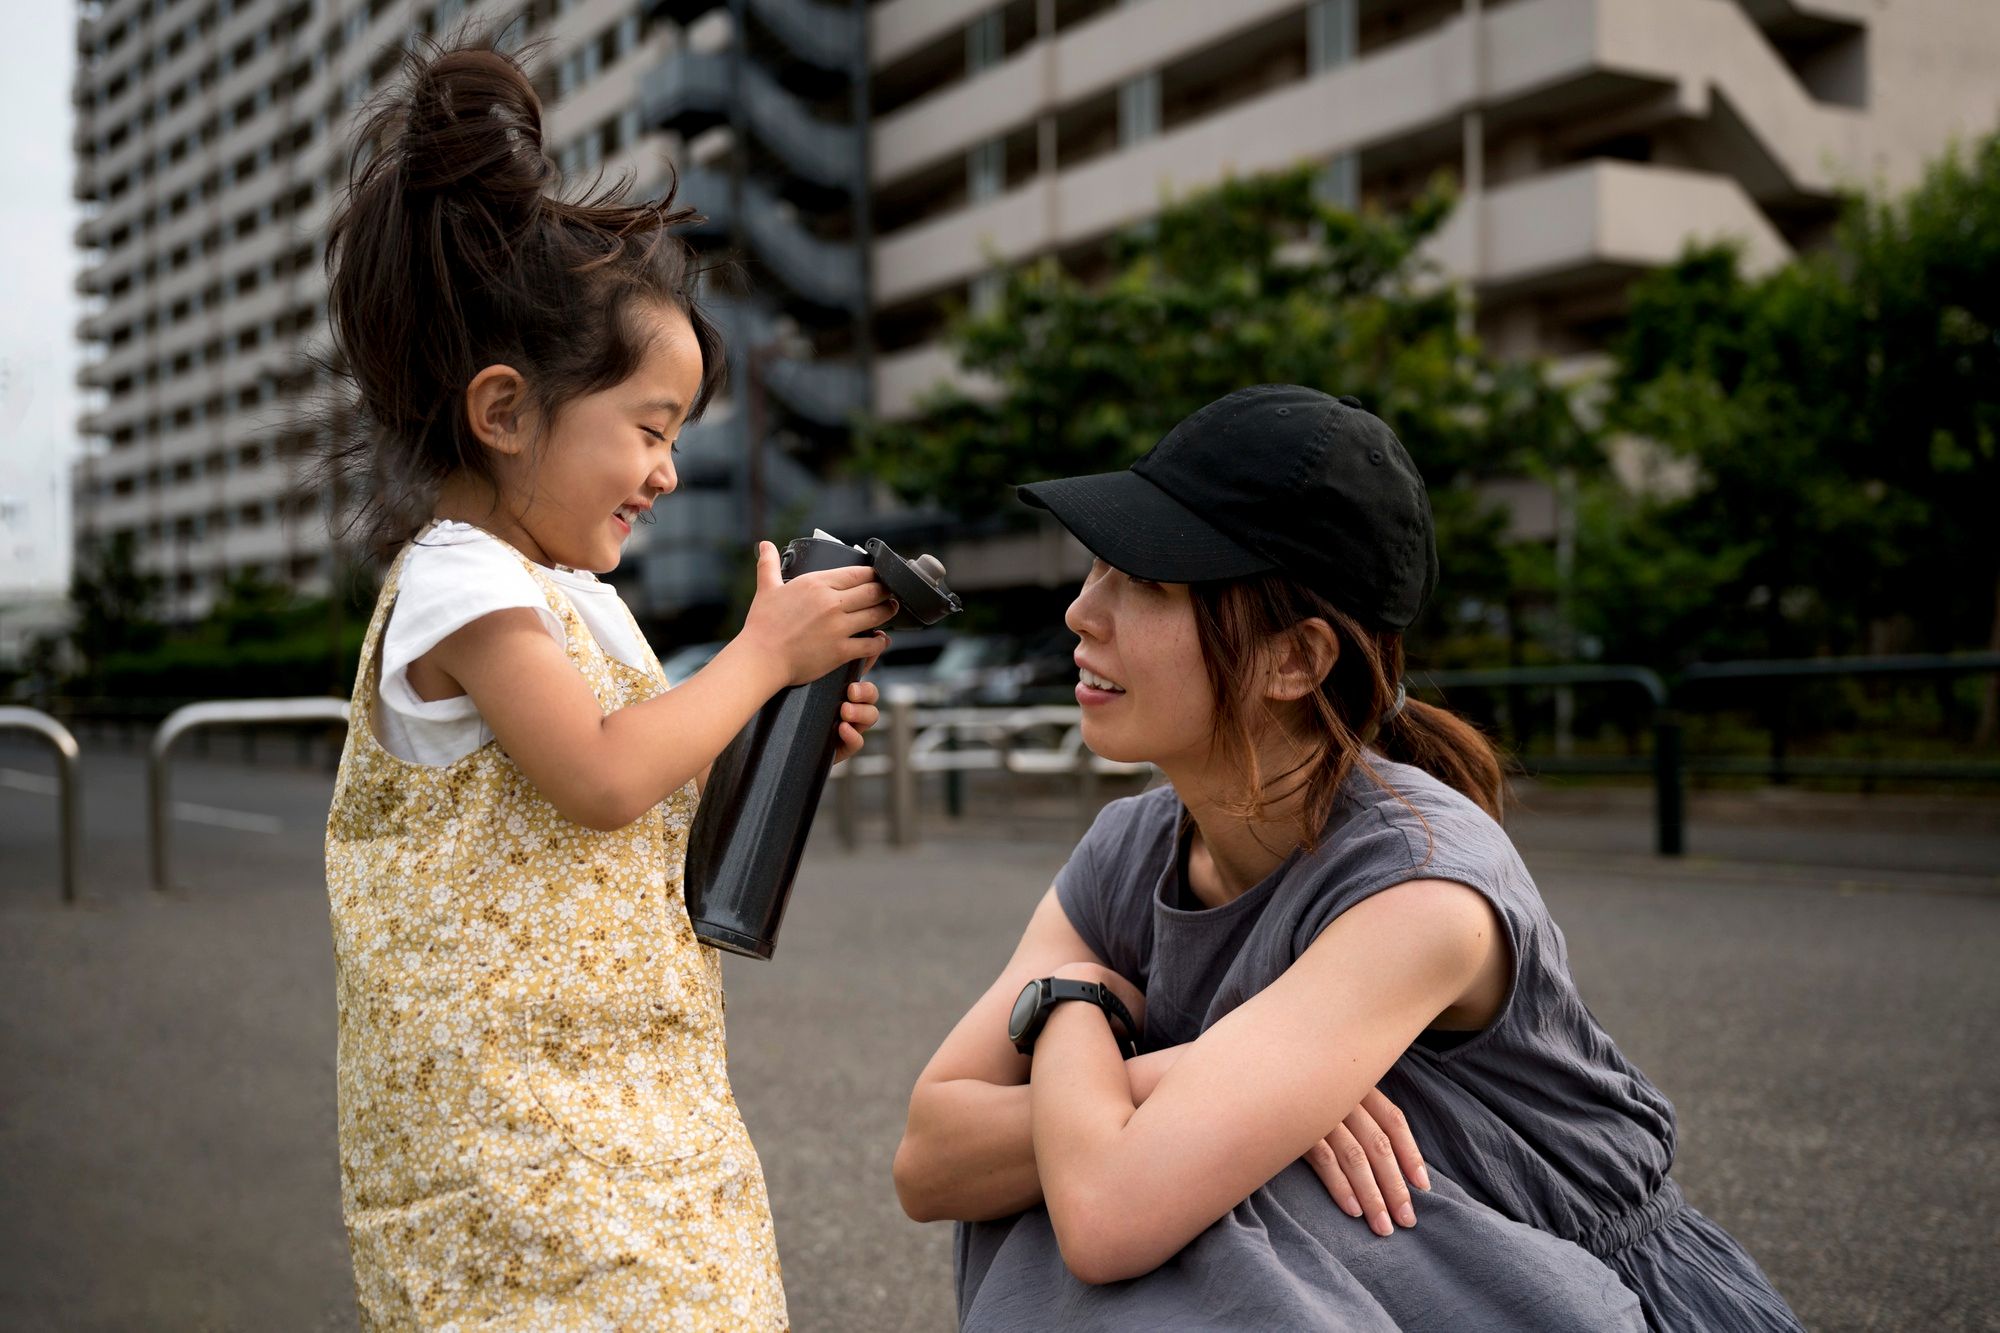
{"x": 536, "y": 1125}
{"x": 1320, "y": 901}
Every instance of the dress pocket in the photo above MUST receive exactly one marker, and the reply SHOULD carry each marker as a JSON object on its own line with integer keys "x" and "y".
{"x": 625, "y": 1087}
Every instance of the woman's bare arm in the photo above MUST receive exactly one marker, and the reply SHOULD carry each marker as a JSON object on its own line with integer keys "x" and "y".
{"x": 966, "y": 1152}
{"x": 1127, "y": 1186}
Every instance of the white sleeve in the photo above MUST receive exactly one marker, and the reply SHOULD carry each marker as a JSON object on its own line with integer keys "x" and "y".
{"x": 442, "y": 589}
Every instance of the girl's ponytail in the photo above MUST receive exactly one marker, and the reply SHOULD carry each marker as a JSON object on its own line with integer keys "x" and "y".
{"x": 452, "y": 251}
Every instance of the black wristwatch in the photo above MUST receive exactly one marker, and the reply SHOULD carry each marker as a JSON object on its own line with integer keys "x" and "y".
{"x": 1040, "y": 997}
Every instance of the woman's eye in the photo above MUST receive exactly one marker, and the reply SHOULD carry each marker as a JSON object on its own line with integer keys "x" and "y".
{"x": 659, "y": 435}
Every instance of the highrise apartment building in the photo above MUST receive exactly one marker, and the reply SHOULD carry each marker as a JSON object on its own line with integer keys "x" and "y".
{"x": 210, "y": 143}
{"x": 870, "y": 164}
{"x": 1590, "y": 139}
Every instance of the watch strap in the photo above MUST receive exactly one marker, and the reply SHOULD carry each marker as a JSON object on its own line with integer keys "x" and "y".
{"x": 1055, "y": 990}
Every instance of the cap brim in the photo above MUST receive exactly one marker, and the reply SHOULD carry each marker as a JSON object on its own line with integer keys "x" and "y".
{"x": 1134, "y": 526}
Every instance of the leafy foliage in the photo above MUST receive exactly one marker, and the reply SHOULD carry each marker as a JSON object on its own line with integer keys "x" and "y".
{"x": 1256, "y": 281}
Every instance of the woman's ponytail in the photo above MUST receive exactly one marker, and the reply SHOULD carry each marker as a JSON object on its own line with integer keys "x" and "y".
{"x": 1449, "y": 748}
{"x": 1358, "y": 706}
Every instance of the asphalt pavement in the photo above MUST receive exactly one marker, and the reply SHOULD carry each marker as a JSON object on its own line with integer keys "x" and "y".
{"x": 1814, "y": 987}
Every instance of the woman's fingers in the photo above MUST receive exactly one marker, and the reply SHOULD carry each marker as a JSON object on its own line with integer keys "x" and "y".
{"x": 1392, "y": 1123}
{"x": 1380, "y": 1163}
{"x": 1360, "y": 1172}
{"x": 1327, "y": 1167}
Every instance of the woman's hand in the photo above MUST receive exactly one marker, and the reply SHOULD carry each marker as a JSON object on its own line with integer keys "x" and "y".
{"x": 1366, "y": 1161}
{"x": 857, "y": 715}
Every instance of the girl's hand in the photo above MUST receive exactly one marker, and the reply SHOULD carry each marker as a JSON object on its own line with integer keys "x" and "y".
{"x": 807, "y": 627}
{"x": 1365, "y": 1161}
{"x": 857, "y": 715}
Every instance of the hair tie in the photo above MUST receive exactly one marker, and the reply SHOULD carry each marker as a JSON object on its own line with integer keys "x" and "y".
{"x": 1402, "y": 697}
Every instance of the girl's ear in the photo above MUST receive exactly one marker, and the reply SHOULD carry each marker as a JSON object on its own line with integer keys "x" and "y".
{"x": 495, "y": 403}
{"x": 1299, "y": 659}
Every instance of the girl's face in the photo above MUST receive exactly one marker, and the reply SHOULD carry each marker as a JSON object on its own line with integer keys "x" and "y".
{"x": 1142, "y": 683}
{"x": 609, "y": 455}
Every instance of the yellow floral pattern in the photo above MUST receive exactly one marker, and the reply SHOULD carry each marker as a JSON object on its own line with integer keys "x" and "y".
{"x": 536, "y": 1125}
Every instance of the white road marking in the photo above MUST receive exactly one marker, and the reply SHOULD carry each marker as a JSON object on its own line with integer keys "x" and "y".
{"x": 15, "y": 780}
{"x": 241, "y": 820}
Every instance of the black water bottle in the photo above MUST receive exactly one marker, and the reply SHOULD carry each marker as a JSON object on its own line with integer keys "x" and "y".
{"x": 758, "y": 804}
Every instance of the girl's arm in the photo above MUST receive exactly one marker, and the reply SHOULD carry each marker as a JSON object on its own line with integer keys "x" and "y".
{"x": 605, "y": 770}
{"x": 968, "y": 1153}
{"x": 1127, "y": 1185}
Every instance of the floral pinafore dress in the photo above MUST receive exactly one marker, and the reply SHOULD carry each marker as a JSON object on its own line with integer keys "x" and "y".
{"x": 536, "y": 1126}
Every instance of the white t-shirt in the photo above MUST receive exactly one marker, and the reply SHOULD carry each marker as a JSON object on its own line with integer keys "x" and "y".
{"x": 455, "y": 575}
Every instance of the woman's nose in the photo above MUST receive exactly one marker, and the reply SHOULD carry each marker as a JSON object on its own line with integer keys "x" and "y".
{"x": 1083, "y": 617}
{"x": 664, "y": 478}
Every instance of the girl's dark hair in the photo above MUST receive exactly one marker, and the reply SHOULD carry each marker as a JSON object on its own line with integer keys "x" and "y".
{"x": 452, "y": 252}
{"x": 1237, "y": 619}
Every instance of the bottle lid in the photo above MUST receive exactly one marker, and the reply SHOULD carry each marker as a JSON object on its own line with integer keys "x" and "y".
{"x": 918, "y": 585}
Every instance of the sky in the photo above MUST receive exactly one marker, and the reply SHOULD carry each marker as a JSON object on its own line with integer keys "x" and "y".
{"x": 38, "y": 302}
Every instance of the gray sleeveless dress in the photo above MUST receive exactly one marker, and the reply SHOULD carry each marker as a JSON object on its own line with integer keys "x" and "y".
{"x": 1537, "y": 1117}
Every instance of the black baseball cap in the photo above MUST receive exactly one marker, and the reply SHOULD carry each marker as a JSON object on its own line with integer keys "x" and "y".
{"x": 1273, "y": 477}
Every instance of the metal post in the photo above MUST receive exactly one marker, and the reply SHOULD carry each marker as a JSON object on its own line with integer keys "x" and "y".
{"x": 1086, "y": 784}
{"x": 954, "y": 779}
{"x": 1669, "y": 809}
{"x": 845, "y": 806}
{"x": 64, "y": 744}
{"x": 902, "y": 774}
{"x": 198, "y": 718}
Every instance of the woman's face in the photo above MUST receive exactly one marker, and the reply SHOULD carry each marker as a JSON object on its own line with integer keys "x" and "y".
{"x": 1142, "y": 682}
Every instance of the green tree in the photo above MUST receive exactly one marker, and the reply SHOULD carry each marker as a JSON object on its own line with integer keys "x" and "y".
{"x": 114, "y": 602}
{"x": 1255, "y": 281}
{"x": 1840, "y": 417}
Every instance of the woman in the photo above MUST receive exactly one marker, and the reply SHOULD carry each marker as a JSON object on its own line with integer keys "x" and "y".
{"x": 1319, "y": 901}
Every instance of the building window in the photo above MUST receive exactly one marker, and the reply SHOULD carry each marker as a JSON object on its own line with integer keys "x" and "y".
{"x": 1139, "y": 109}
{"x": 985, "y": 42}
{"x": 1332, "y": 29}
{"x": 986, "y": 170}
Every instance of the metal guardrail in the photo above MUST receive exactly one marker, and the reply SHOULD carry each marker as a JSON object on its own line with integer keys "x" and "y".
{"x": 231, "y": 713}
{"x": 934, "y": 740}
{"x": 1780, "y": 766}
{"x": 68, "y": 817}
{"x": 1669, "y": 784}
{"x": 1670, "y": 766}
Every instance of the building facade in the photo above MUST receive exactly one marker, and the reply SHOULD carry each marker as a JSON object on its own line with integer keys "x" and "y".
{"x": 869, "y": 165}
{"x": 210, "y": 147}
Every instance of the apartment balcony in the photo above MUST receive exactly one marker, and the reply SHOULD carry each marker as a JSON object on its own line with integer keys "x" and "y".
{"x": 1589, "y": 224}
{"x": 1596, "y": 221}
{"x": 692, "y": 91}
{"x": 1091, "y": 58}
{"x": 824, "y": 273}
{"x": 826, "y": 35}
{"x": 1557, "y": 63}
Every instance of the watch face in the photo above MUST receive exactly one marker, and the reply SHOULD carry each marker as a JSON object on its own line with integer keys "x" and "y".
{"x": 1024, "y": 1010}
